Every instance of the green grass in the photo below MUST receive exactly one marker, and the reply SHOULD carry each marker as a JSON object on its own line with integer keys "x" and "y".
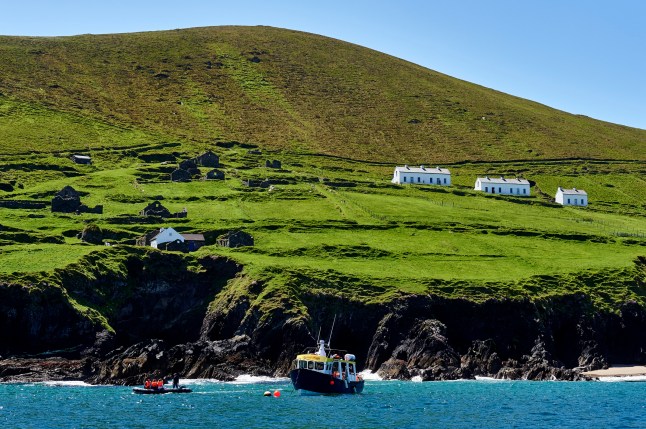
{"x": 281, "y": 89}
{"x": 333, "y": 113}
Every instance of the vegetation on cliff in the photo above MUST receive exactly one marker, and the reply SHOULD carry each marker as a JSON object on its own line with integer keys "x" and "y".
{"x": 332, "y": 229}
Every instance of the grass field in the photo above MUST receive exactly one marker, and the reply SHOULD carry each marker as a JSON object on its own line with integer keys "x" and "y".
{"x": 339, "y": 117}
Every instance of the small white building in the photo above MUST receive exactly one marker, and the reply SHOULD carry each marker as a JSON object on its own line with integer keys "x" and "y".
{"x": 517, "y": 187}
{"x": 166, "y": 235}
{"x": 571, "y": 197}
{"x": 422, "y": 176}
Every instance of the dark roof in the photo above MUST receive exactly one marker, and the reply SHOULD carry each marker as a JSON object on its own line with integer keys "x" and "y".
{"x": 193, "y": 237}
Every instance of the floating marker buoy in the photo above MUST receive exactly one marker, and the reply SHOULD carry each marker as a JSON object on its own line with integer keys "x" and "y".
{"x": 267, "y": 393}
{"x": 276, "y": 393}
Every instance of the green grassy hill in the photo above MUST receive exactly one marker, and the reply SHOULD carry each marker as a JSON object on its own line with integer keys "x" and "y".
{"x": 339, "y": 117}
{"x": 279, "y": 89}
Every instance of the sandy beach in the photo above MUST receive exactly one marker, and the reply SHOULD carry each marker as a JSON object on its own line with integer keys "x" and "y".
{"x": 618, "y": 371}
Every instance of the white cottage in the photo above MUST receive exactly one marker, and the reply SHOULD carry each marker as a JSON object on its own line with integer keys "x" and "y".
{"x": 517, "y": 187}
{"x": 166, "y": 235}
{"x": 422, "y": 176}
{"x": 571, "y": 197}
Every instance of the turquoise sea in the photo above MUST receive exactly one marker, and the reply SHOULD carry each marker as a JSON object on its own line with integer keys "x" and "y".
{"x": 384, "y": 404}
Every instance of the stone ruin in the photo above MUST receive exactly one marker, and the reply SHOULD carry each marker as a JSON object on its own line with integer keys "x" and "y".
{"x": 235, "y": 239}
{"x": 215, "y": 175}
{"x": 68, "y": 200}
{"x": 180, "y": 175}
{"x": 157, "y": 209}
{"x": 273, "y": 164}
{"x": 208, "y": 159}
{"x": 257, "y": 183}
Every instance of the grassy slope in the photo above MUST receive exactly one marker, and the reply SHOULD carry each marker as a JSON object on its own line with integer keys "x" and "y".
{"x": 118, "y": 96}
{"x": 307, "y": 92}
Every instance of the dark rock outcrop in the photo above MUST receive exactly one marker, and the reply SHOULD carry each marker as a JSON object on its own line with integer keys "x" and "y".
{"x": 206, "y": 321}
{"x": 481, "y": 358}
{"x": 223, "y": 360}
{"x": 91, "y": 234}
{"x": 426, "y": 353}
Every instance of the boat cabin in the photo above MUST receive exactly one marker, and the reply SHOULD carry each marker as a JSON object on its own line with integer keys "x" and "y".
{"x": 343, "y": 368}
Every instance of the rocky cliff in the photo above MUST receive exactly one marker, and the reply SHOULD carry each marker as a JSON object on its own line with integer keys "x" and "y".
{"x": 117, "y": 316}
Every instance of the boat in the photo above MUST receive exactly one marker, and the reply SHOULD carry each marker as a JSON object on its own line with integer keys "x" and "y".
{"x": 325, "y": 372}
{"x": 144, "y": 391}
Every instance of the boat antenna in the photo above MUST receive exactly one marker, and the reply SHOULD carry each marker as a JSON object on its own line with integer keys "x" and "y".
{"x": 331, "y": 330}
{"x": 319, "y": 336}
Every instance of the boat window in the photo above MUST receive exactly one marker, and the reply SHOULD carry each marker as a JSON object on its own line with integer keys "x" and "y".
{"x": 319, "y": 366}
{"x": 310, "y": 365}
{"x": 302, "y": 364}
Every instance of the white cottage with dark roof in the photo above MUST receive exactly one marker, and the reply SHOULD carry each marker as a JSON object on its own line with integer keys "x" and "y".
{"x": 571, "y": 197}
{"x": 517, "y": 187}
{"x": 422, "y": 176}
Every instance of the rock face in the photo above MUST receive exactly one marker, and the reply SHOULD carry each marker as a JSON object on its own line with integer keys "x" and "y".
{"x": 163, "y": 313}
{"x": 425, "y": 352}
{"x": 223, "y": 360}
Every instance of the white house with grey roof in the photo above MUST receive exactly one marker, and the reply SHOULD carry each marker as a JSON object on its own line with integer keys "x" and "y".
{"x": 166, "y": 235}
{"x": 499, "y": 185}
{"x": 571, "y": 197}
{"x": 422, "y": 175}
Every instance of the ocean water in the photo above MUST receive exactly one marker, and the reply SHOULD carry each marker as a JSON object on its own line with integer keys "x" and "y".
{"x": 384, "y": 404}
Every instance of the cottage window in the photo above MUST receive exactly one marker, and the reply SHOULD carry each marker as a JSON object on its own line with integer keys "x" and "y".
{"x": 438, "y": 181}
{"x": 575, "y": 202}
{"x": 404, "y": 178}
{"x": 499, "y": 190}
{"x": 486, "y": 188}
{"x": 419, "y": 179}
{"x": 524, "y": 191}
{"x": 568, "y": 201}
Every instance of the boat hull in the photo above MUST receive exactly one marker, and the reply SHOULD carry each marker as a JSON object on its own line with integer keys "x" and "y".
{"x": 142, "y": 391}
{"x": 305, "y": 380}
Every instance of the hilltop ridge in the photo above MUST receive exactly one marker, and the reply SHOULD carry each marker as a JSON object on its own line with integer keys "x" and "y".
{"x": 279, "y": 89}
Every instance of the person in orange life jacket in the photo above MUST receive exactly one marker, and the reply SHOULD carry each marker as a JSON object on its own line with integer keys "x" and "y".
{"x": 147, "y": 384}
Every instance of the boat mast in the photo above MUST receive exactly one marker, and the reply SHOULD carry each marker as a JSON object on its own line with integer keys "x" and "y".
{"x": 329, "y": 341}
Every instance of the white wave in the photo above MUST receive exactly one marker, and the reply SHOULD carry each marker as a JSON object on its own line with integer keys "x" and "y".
{"x": 417, "y": 379}
{"x": 491, "y": 379}
{"x": 75, "y": 383}
{"x": 366, "y": 374}
{"x": 242, "y": 379}
{"x": 253, "y": 379}
{"x": 641, "y": 378}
